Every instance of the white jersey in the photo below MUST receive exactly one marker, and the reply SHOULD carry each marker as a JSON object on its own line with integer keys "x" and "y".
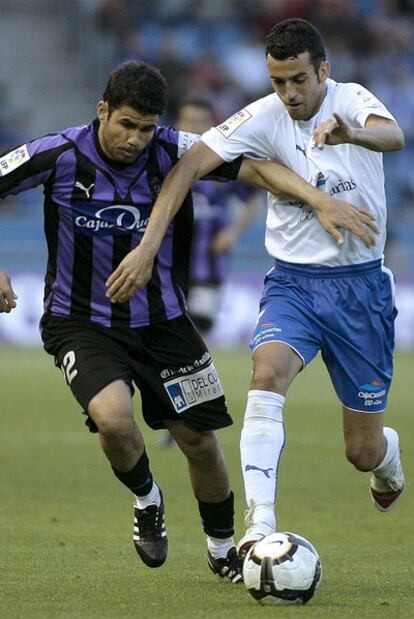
{"x": 264, "y": 130}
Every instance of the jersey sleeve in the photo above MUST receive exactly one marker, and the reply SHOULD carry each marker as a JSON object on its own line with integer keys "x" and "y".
{"x": 178, "y": 143}
{"x": 241, "y": 134}
{"x": 29, "y": 165}
{"x": 357, "y": 104}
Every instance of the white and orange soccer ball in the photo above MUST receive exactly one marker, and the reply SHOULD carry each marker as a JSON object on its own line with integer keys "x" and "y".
{"x": 282, "y": 568}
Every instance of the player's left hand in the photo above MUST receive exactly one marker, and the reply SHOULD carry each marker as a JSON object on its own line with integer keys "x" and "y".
{"x": 333, "y": 131}
{"x": 132, "y": 273}
{"x": 7, "y": 294}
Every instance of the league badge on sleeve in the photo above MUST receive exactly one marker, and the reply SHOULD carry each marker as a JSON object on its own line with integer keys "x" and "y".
{"x": 14, "y": 159}
{"x": 231, "y": 124}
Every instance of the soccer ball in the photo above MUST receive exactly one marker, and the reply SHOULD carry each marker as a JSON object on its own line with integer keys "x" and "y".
{"x": 282, "y": 568}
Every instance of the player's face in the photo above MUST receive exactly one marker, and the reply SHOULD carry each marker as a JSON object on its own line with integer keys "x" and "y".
{"x": 194, "y": 119}
{"x": 124, "y": 133}
{"x": 298, "y": 86}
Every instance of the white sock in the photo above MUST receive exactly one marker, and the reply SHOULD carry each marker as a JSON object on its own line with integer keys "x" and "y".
{"x": 392, "y": 454}
{"x": 152, "y": 498}
{"x": 219, "y": 548}
{"x": 261, "y": 445}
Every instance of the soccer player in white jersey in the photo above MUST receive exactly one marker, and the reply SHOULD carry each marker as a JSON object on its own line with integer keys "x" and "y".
{"x": 321, "y": 295}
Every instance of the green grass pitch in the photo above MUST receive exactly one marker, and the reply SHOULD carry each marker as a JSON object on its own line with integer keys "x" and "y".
{"x": 65, "y": 541}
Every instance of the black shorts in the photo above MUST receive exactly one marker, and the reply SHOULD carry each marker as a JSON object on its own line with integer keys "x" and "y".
{"x": 168, "y": 362}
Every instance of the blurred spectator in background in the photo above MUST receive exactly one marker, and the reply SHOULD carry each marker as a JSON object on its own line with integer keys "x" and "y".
{"x": 14, "y": 123}
{"x": 215, "y": 230}
{"x": 14, "y": 127}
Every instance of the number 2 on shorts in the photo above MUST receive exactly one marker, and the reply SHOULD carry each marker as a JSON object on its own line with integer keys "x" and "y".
{"x": 68, "y": 362}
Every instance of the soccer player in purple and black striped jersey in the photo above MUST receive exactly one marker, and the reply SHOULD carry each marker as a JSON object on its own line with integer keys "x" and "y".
{"x": 100, "y": 183}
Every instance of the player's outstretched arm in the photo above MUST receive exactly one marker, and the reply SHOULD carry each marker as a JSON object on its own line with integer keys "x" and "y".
{"x": 379, "y": 134}
{"x": 332, "y": 213}
{"x": 7, "y": 295}
{"x": 135, "y": 270}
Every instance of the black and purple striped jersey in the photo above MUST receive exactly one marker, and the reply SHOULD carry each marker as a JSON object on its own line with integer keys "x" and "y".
{"x": 95, "y": 212}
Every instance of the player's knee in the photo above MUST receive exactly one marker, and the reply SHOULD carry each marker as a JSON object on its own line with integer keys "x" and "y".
{"x": 364, "y": 457}
{"x": 269, "y": 377}
{"x": 199, "y": 446}
{"x": 119, "y": 428}
{"x": 110, "y": 422}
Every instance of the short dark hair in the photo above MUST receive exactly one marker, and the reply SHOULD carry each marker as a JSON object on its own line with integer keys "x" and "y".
{"x": 292, "y": 37}
{"x": 138, "y": 85}
{"x": 200, "y": 102}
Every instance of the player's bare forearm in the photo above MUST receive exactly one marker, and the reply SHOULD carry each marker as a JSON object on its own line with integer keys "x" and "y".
{"x": 198, "y": 162}
{"x": 379, "y": 134}
{"x": 333, "y": 214}
{"x": 277, "y": 178}
{"x": 135, "y": 269}
{"x": 7, "y": 295}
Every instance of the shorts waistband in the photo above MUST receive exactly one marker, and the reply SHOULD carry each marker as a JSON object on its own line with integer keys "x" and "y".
{"x": 312, "y": 270}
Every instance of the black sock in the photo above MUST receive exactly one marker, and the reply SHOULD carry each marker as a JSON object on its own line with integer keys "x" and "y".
{"x": 218, "y": 518}
{"x": 139, "y": 479}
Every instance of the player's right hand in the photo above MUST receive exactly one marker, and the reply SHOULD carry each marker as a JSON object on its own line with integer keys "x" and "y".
{"x": 7, "y": 294}
{"x": 334, "y": 214}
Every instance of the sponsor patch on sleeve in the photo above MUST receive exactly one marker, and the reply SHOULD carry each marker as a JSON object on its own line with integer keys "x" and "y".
{"x": 194, "y": 388}
{"x": 14, "y": 159}
{"x": 231, "y": 124}
{"x": 185, "y": 141}
{"x": 368, "y": 100}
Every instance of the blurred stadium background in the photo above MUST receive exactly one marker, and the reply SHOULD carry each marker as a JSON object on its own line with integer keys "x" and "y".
{"x": 56, "y": 55}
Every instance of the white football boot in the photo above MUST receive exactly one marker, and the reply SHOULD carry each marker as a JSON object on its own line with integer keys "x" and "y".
{"x": 386, "y": 492}
{"x": 259, "y": 521}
